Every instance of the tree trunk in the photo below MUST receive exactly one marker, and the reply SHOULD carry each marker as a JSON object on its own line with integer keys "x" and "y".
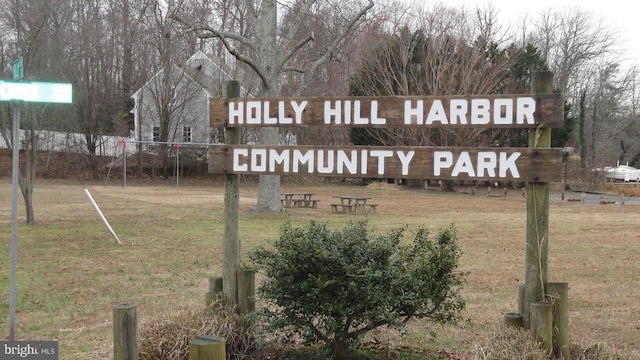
{"x": 92, "y": 145}
{"x": 27, "y": 180}
{"x": 27, "y": 195}
{"x": 341, "y": 350}
{"x": 95, "y": 166}
{"x": 164, "y": 156}
{"x": 269, "y": 185}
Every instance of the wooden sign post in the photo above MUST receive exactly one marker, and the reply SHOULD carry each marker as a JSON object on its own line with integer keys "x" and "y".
{"x": 537, "y": 211}
{"x": 231, "y": 240}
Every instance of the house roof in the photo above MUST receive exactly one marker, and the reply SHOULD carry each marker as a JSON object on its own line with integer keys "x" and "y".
{"x": 209, "y": 71}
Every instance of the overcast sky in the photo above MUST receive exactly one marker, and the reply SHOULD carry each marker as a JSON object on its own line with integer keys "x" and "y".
{"x": 616, "y": 13}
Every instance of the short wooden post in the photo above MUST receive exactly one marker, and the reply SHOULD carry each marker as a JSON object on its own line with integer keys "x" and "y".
{"x": 246, "y": 291}
{"x": 125, "y": 332}
{"x": 215, "y": 291}
{"x": 513, "y": 320}
{"x": 522, "y": 288}
{"x": 542, "y": 324}
{"x": 558, "y": 294}
{"x": 207, "y": 347}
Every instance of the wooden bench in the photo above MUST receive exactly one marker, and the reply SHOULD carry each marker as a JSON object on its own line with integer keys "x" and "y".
{"x": 371, "y": 207}
{"x": 305, "y": 203}
{"x": 342, "y": 208}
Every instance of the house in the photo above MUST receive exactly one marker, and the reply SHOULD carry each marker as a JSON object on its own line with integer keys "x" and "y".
{"x": 173, "y": 106}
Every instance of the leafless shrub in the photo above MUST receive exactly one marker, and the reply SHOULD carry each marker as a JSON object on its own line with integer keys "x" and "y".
{"x": 168, "y": 337}
{"x": 509, "y": 343}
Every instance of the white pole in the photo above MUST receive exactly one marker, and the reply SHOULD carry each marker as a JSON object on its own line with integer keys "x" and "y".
{"x": 124, "y": 165}
{"x": 177, "y": 147}
{"x": 95, "y": 206}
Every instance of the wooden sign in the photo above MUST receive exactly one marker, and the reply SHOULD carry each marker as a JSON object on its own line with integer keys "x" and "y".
{"x": 446, "y": 163}
{"x": 480, "y": 111}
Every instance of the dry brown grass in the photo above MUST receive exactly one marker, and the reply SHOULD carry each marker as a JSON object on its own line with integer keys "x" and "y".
{"x": 626, "y": 189}
{"x": 71, "y": 272}
{"x": 168, "y": 336}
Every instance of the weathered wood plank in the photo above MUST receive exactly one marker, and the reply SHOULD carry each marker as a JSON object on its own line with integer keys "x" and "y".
{"x": 479, "y": 111}
{"x": 444, "y": 163}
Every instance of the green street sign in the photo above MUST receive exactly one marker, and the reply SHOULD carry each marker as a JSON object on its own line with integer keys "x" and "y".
{"x": 36, "y": 92}
{"x": 18, "y": 69}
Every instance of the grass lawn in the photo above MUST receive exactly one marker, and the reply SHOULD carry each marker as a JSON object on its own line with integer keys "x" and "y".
{"x": 71, "y": 272}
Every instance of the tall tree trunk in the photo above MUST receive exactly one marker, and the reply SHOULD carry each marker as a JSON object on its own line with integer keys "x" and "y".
{"x": 269, "y": 185}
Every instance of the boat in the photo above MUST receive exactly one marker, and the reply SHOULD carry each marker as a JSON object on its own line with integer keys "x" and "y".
{"x": 624, "y": 173}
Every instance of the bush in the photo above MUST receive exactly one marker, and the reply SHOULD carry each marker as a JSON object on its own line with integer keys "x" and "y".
{"x": 333, "y": 287}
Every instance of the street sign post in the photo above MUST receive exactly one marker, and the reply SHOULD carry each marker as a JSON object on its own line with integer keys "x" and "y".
{"x": 18, "y": 92}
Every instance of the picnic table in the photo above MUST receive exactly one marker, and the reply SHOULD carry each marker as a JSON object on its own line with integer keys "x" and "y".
{"x": 352, "y": 203}
{"x": 298, "y": 199}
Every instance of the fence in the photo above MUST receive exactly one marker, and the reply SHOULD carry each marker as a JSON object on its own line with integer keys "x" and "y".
{"x": 73, "y": 143}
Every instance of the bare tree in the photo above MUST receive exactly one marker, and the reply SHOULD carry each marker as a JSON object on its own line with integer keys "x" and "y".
{"x": 613, "y": 116}
{"x": 333, "y": 79}
{"x": 451, "y": 54}
{"x": 571, "y": 39}
{"x": 31, "y": 30}
{"x": 93, "y": 70}
{"x": 255, "y": 40}
{"x": 582, "y": 51}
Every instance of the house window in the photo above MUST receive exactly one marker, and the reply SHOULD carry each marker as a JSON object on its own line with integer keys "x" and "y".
{"x": 156, "y": 133}
{"x": 186, "y": 134}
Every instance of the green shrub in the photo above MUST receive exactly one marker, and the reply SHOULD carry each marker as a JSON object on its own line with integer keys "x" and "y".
{"x": 334, "y": 286}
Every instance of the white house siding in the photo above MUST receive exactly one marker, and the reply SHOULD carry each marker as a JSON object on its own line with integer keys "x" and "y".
{"x": 190, "y": 109}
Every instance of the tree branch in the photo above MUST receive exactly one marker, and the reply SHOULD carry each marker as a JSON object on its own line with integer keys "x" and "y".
{"x": 206, "y": 32}
{"x": 332, "y": 48}
{"x": 306, "y": 8}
